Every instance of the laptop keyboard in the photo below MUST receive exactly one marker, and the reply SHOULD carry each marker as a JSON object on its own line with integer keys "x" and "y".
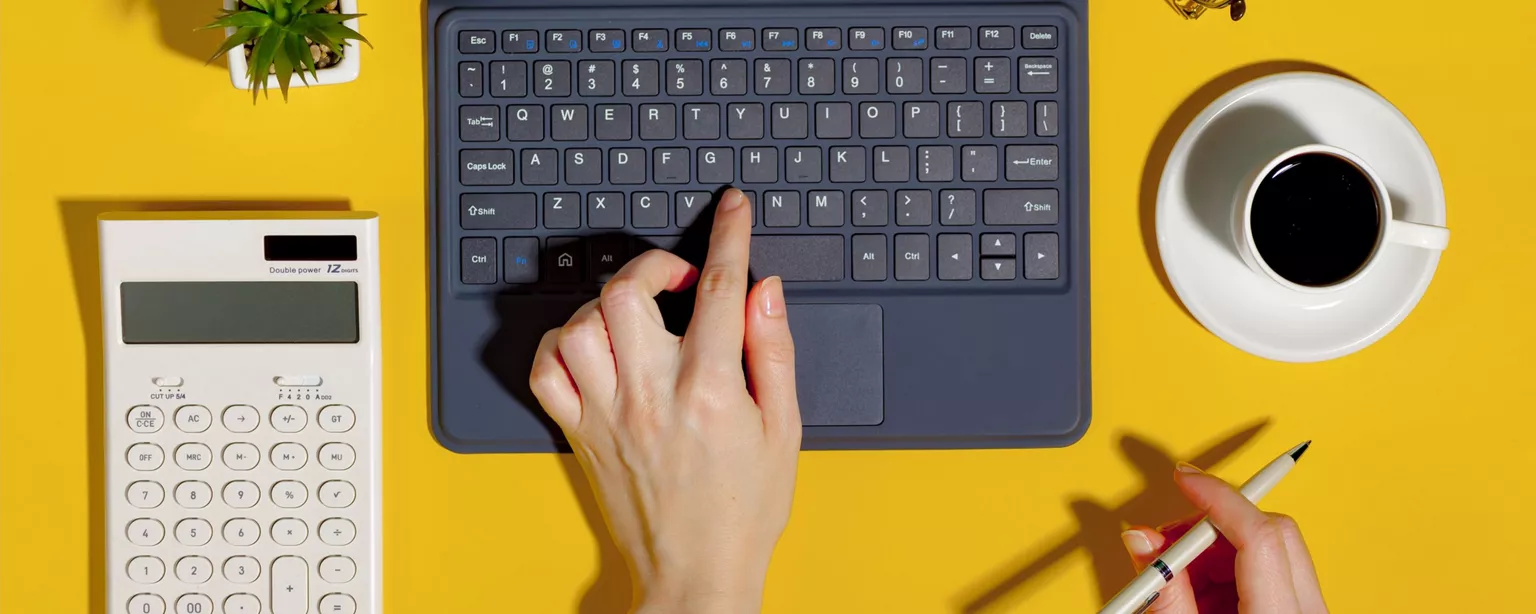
{"x": 879, "y": 156}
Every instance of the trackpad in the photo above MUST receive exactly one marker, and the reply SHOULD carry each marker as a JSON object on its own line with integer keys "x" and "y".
{"x": 839, "y": 364}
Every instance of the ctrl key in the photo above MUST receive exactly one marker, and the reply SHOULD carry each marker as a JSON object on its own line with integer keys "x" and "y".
{"x": 477, "y": 260}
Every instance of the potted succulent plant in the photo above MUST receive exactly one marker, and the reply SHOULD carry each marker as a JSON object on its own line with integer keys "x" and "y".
{"x": 282, "y": 40}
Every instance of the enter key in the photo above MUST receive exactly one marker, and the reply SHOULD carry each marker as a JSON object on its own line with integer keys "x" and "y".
{"x": 1032, "y": 163}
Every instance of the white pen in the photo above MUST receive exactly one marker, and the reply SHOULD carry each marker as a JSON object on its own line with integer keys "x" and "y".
{"x": 1137, "y": 596}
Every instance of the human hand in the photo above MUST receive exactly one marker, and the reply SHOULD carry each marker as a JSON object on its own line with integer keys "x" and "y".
{"x": 1258, "y": 565}
{"x": 694, "y": 471}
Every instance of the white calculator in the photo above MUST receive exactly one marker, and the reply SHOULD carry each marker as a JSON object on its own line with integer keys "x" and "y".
{"x": 242, "y": 408}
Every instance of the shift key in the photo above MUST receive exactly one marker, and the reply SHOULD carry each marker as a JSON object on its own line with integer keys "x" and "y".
{"x": 1020, "y": 207}
{"x": 498, "y": 211}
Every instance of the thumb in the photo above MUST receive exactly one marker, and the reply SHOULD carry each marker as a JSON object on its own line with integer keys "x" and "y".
{"x": 1145, "y": 545}
{"x": 770, "y": 358}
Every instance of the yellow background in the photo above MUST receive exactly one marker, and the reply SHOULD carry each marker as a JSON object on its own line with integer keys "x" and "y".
{"x": 1423, "y": 453}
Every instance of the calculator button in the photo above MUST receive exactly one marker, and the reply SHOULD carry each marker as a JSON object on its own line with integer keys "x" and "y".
{"x": 193, "y": 456}
{"x": 241, "y": 494}
{"x": 337, "y": 603}
{"x": 148, "y": 495}
{"x": 337, "y": 418}
{"x": 337, "y": 569}
{"x": 290, "y": 531}
{"x": 145, "y": 456}
{"x": 337, "y": 531}
{"x": 242, "y": 603}
{"x": 289, "y": 494}
{"x": 337, "y": 456}
{"x": 241, "y": 532}
{"x": 145, "y": 532}
{"x": 241, "y": 456}
{"x": 337, "y": 493}
{"x": 194, "y": 603}
{"x": 290, "y": 585}
{"x": 167, "y": 381}
{"x": 289, "y": 456}
{"x": 146, "y": 569}
{"x": 303, "y": 381}
{"x": 289, "y": 418}
{"x": 193, "y": 494}
{"x": 194, "y": 532}
{"x": 241, "y": 418}
{"x": 241, "y": 570}
{"x": 193, "y": 418}
{"x": 145, "y": 603}
{"x": 145, "y": 419}
{"x": 193, "y": 570}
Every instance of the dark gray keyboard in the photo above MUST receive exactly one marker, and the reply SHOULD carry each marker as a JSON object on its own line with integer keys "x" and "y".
{"x": 878, "y": 152}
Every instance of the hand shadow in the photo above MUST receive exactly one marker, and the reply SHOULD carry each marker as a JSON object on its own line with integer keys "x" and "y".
{"x": 1168, "y": 136}
{"x": 1099, "y": 526}
{"x": 180, "y": 22}
{"x": 79, "y": 221}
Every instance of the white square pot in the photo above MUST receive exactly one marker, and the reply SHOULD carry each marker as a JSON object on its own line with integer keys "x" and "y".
{"x": 346, "y": 70}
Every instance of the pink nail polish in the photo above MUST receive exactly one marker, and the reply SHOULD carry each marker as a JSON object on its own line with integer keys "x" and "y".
{"x": 773, "y": 297}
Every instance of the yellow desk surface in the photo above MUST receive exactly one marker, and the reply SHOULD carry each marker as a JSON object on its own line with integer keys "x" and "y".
{"x": 1416, "y": 497}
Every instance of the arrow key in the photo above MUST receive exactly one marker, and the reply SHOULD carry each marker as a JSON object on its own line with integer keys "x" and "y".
{"x": 998, "y": 244}
{"x": 1040, "y": 257}
{"x": 998, "y": 269}
{"x": 955, "y": 257}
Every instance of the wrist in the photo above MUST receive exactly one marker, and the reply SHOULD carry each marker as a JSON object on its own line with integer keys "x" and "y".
{"x": 737, "y": 594}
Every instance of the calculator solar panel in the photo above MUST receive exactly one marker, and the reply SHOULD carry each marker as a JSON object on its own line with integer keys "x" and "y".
{"x": 918, "y": 178}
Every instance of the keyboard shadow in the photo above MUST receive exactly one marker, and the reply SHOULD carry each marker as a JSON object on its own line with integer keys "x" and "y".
{"x": 1099, "y": 525}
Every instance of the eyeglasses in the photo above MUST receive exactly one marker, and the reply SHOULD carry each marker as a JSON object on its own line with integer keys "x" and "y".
{"x": 1193, "y": 9}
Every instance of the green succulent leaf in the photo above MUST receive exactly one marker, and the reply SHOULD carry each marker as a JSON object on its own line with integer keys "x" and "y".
{"x": 241, "y": 19}
{"x": 315, "y": 5}
{"x": 284, "y": 69}
{"x": 322, "y": 19}
{"x": 279, "y": 34}
{"x": 340, "y": 32}
{"x": 241, "y": 36}
{"x": 298, "y": 50}
{"x": 262, "y": 59}
{"x": 264, "y": 6}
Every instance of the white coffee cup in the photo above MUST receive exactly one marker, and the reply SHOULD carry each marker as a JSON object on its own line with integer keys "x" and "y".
{"x": 1391, "y": 230}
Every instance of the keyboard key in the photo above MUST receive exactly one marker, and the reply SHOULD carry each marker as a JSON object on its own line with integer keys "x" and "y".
{"x": 936, "y": 163}
{"x": 978, "y": 163}
{"x": 744, "y": 121}
{"x": 798, "y": 257}
{"x": 823, "y": 39}
{"x": 717, "y": 166}
{"x": 568, "y": 122}
{"x": 773, "y": 78}
{"x": 967, "y": 120}
{"x": 583, "y": 166}
{"x": 1010, "y": 119}
{"x": 802, "y": 165}
{"x": 834, "y": 120}
{"x": 479, "y": 123}
{"x": 914, "y": 208}
{"x": 1019, "y": 207}
{"x": 781, "y": 209}
{"x": 685, "y": 77}
{"x": 992, "y": 76}
{"x": 728, "y": 77}
{"x": 742, "y": 39}
{"x": 997, "y": 37}
{"x": 145, "y": 603}
{"x": 999, "y": 269}
{"x": 525, "y": 122}
{"x": 626, "y": 166}
{"x": 912, "y": 258}
{"x": 790, "y": 121}
{"x": 947, "y": 75}
{"x": 870, "y": 208}
{"x": 781, "y": 39}
{"x": 1047, "y": 119}
{"x": 241, "y": 532}
{"x": 243, "y": 456}
{"x": 877, "y": 120}
{"x": 999, "y": 244}
{"x": 540, "y": 167}
{"x": 923, "y": 120}
{"x": 861, "y": 76}
{"x": 866, "y": 39}
{"x": 563, "y": 259}
{"x": 337, "y": 570}
{"x": 471, "y": 79}
{"x": 911, "y": 39}
{"x": 290, "y": 585}
{"x": 701, "y": 121}
{"x": 146, "y": 569}
{"x": 953, "y": 37}
{"x": 957, "y": 207}
{"x": 848, "y": 164}
{"x": 650, "y": 41}
{"x": 695, "y": 40}
{"x": 1037, "y": 75}
{"x": 824, "y": 208}
{"x": 477, "y": 41}
{"x": 242, "y": 603}
{"x": 671, "y": 165}
{"x": 955, "y": 257}
{"x": 552, "y": 79}
{"x": 605, "y": 41}
{"x": 893, "y": 164}
{"x": 658, "y": 122}
{"x": 648, "y": 209}
{"x": 562, "y": 210}
{"x": 520, "y": 41}
{"x": 485, "y": 167}
{"x": 605, "y": 210}
{"x": 145, "y": 532}
{"x": 477, "y": 265}
{"x": 563, "y": 41}
{"x": 509, "y": 79}
{"x": 1038, "y": 37}
{"x": 1032, "y": 163}
{"x": 521, "y": 257}
{"x": 904, "y": 75}
{"x": 596, "y": 78}
{"x": 816, "y": 76}
{"x": 760, "y": 164}
{"x": 1040, "y": 256}
{"x": 690, "y": 205}
{"x": 869, "y": 258}
{"x": 145, "y": 494}
{"x": 640, "y": 77}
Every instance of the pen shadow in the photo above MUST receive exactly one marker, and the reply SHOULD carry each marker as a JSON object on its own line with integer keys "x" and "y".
{"x": 1099, "y": 525}
{"x": 179, "y": 23}
{"x": 78, "y": 217}
{"x": 1168, "y": 136}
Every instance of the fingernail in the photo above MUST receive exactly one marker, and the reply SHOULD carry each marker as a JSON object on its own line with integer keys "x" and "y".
{"x": 733, "y": 200}
{"x": 1188, "y": 468}
{"x": 1136, "y": 543}
{"x": 773, "y": 297}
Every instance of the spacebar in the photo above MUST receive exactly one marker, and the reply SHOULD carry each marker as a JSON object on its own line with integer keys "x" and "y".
{"x": 798, "y": 257}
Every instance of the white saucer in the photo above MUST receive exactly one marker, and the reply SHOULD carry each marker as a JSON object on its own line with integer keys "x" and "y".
{"x": 1237, "y": 134}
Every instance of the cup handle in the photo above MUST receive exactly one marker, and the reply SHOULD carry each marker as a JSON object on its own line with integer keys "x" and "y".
{"x": 1418, "y": 235}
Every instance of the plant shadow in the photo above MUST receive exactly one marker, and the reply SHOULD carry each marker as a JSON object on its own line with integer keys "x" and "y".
{"x": 1099, "y": 525}
{"x": 78, "y": 217}
{"x": 179, "y": 22}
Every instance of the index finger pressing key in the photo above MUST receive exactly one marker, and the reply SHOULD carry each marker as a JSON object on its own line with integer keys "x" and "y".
{"x": 719, "y": 314}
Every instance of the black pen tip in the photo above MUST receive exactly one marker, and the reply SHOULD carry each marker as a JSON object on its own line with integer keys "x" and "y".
{"x": 1296, "y": 456}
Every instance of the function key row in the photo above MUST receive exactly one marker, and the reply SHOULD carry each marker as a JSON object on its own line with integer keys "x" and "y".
{"x": 658, "y": 40}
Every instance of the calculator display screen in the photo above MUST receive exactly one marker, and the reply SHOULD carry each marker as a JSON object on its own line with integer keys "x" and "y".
{"x": 239, "y": 312}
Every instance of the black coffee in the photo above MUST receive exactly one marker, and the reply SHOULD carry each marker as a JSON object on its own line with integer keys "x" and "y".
{"x": 1315, "y": 219}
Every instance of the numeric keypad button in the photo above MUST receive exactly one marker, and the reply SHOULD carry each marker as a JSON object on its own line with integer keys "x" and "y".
{"x": 289, "y": 532}
{"x": 241, "y": 494}
{"x": 337, "y": 456}
{"x": 289, "y": 456}
{"x": 241, "y": 418}
{"x": 146, "y": 569}
{"x": 241, "y": 456}
{"x": 194, "y": 532}
{"x": 337, "y": 493}
{"x": 241, "y": 570}
{"x": 337, "y": 418}
{"x": 337, "y": 531}
{"x": 193, "y": 494}
{"x": 289, "y": 494}
{"x": 337, "y": 569}
{"x": 241, "y": 532}
{"x": 193, "y": 418}
{"x": 145, "y": 532}
{"x": 145, "y": 456}
{"x": 193, "y": 570}
{"x": 288, "y": 418}
{"x": 193, "y": 456}
{"x": 337, "y": 603}
{"x": 145, "y": 419}
{"x": 146, "y": 495}
{"x": 242, "y": 603}
{"x": 146, "y": 603}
